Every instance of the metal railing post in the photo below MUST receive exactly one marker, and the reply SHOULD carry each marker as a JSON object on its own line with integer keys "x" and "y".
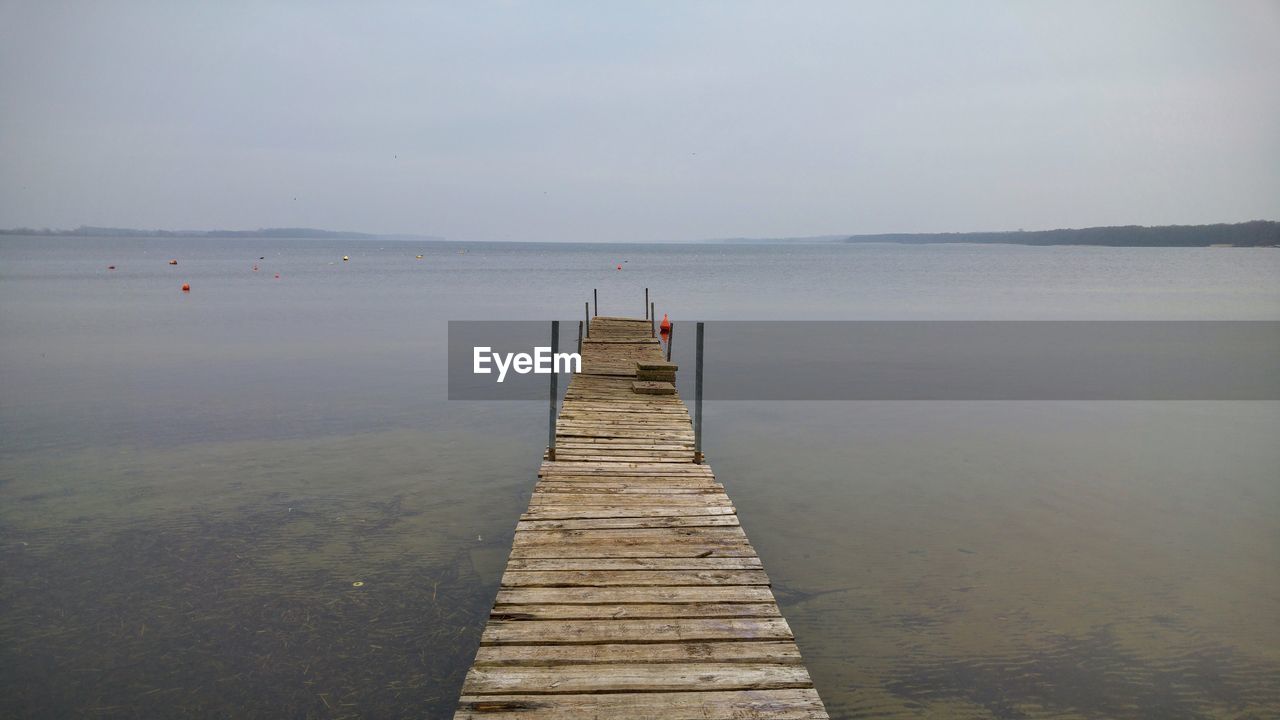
{"x": 646, "y": 303}
{"x": 551, "y": 412}
{"x": 595, "y": 305}
{"x": 586, "y": 309}
{"x": 653, "y": 321}
{"x": 671, "y": 338}
{"x": 697, "y": 403}
{"x": 579, "y": 338}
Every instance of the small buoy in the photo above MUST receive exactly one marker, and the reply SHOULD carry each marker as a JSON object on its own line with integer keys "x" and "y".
{"x": 345, "y": 258}
{"x": 665, "y": 324}
{"x": 358, "y": 583}
{"x": 186, "y": 287}
{"x": 255, "y": 268}
{"x": 111, "y": 267}
{"x": 419, "y": 257}
{"x": 277, "y": 276}
{"x": 173, "y": 262}
{"x": 619, "y": 267}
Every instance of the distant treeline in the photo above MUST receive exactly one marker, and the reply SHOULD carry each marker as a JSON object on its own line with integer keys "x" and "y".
{"x": 1250, "y": 234}
{"x": 88, "y": 231}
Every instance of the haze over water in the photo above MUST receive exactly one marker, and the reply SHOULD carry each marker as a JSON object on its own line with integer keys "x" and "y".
{"x": 191, "y": 484}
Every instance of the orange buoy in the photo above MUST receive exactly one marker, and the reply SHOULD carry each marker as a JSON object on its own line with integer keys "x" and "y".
{"x": 173, "y": 262}
{"x": 186, "y": 287}
{"x": 665, "y": 324}
{"x": 619, "y": 267}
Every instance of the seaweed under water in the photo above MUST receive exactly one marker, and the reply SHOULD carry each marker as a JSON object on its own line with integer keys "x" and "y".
{"x": 193, "y": 620}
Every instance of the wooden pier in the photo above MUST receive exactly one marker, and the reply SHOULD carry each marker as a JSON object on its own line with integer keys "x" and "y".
{"x": 631, "y": 590}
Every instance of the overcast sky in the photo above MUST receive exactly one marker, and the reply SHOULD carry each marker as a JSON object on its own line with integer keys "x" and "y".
{"x": 638, "y": 121}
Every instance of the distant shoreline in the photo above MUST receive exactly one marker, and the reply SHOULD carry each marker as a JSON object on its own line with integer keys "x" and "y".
{"x": 1255, "y": 233}
{"x": 87, "y": 231}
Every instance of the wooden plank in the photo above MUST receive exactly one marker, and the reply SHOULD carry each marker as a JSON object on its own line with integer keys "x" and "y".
{"x": 630, "y": 578}
{"x": 782, "y": 704}
{"x": 631, "y": 594}
{"x": 631, "y": 677}
{"x": 695, "y": 550}
{"x": 638, "y": 631}
{"x": 553, "y": 512}
{"x": 630, "y": 534}
{"x": 635, "y": 499}
{"x": 720, "y": 652}
{"x": 593, "y": 523}
{"x": 707, "y": 563}
{"x": 633, "y": 610}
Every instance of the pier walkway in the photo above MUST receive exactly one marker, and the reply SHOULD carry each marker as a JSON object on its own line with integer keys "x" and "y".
{"x": 631, "y": 590}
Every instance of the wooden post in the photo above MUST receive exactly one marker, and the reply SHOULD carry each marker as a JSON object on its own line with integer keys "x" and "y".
{"x": 595, "y": 296}
{"x": 587, "y": 311}
{"x": 551, "y": 413}
{"x": 653, "y": 321}
{"x": 671, "y": 338}
{"x": 579, "y": 338}
{"x": 646, "y": 303}
{"x": 697, "y": 403}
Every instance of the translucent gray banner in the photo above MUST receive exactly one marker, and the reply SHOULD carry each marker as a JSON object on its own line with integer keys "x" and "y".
{"x": 969, "y": 360}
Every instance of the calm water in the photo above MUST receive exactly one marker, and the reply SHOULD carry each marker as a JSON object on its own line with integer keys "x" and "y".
{"x": 190, "y": 484}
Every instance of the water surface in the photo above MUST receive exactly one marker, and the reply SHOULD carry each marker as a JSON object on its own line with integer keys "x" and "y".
{"x": 191, "y": 484}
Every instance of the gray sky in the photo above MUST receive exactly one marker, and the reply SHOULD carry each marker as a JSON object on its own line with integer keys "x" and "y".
{"x": 638, "y": 121}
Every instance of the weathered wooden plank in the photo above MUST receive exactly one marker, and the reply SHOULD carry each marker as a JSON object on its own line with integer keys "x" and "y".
{"x": 635, "y": 499}
{"x": 630, "y": 578}
{"x": 627, "y": 488}
{"x": 763, "y": 651}
{"x": 628, "y": 630}
{"x": 554, "y": 512}
{"x": 703, "y": 548}
{"x": 632, "y": 594}
{"x": 653, "y": 387}
{"x": 633, "y": 610}
{"x": 639, "y": 468}
{"x": 631, "y": 677}
{"x": 664, "y": 563}
{"x": 594, "y": 523}
{"x": 657, "y": 481}
{"x": 782, "y": 704}
{"x": 618, "y": 536}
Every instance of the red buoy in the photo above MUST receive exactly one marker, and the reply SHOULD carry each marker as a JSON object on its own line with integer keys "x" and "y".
{"x": 277, "y": 276}
{"x": 665, "y": 324}
{"x": 186, "y": 287}
{"x": 619, "y": 267}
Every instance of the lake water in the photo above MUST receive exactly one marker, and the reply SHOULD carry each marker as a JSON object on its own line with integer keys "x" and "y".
{"x": 190, "y": 484}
